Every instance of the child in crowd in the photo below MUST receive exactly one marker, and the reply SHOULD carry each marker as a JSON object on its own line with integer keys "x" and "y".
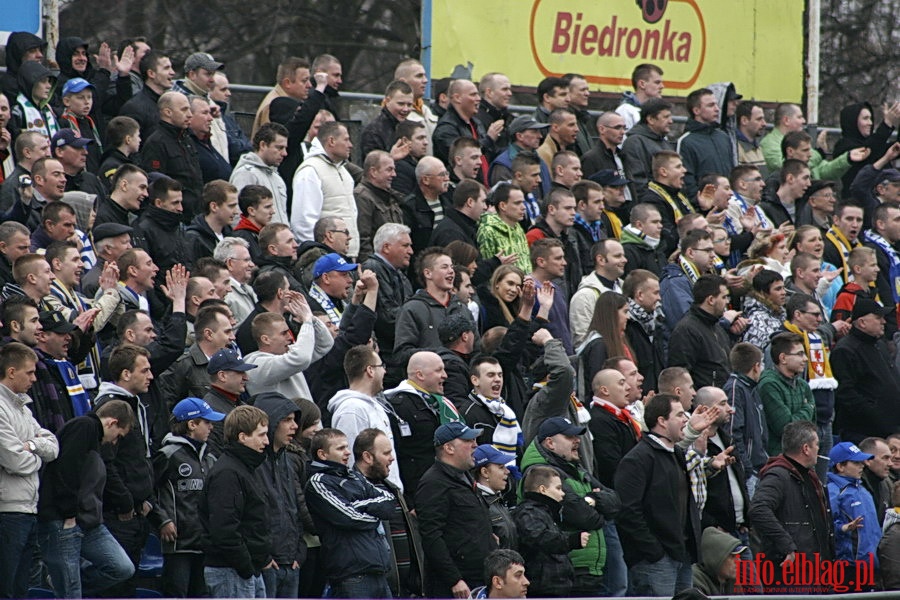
{"x": 123, "y": 140}
{"x": 856, "y": 531}
{"x": 182, "y": 466}
{"x": 233, "y": 510}
{"x": 78, "y": 99}
{"x": 542, "y": 541}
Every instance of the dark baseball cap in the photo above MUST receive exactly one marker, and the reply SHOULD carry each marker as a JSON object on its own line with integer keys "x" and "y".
{"x": 453, "y": 326}
{"x": 888, "y": 176}
{"x": 53, "y": 320}
{"x": 523, "y": 123}
{"x": 227, "y": 360}
{"x": 201, "y": 60}
{"x": 453, "y": 430}
{"x": 68, "y": 137}
{"x": 556, "y": 425}
{"x": 866, "y": 306}
{"x": 609, "y": 177}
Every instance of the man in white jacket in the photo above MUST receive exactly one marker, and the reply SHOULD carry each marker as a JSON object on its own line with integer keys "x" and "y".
{"x": 362, "y": 405}
{"x": 24, "y": 448}
{"x": 280, "y": 358}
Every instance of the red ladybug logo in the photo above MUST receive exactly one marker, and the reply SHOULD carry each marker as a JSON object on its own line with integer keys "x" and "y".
{"x": 653, "y": 10}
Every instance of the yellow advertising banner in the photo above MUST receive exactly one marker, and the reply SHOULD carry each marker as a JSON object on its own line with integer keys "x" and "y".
{"x": 757, "y": 44}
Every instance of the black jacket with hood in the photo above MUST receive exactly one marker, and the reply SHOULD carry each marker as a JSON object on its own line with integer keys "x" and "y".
{"x": 17, "y": 45}
{"x": 851, "y": 137}
{"x": 201, "y": 238}
{"x": 109, "y": 96}
{"x": 278, "y": 476}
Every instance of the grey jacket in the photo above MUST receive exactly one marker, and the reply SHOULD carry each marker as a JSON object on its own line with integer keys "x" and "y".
{"x": 638, "y": 150}
{"x": 554, "y": 399}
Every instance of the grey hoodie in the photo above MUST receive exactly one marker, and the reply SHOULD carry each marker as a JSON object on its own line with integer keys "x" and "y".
{"x": 250, "y": 169}
{"x": 353, "y": 411}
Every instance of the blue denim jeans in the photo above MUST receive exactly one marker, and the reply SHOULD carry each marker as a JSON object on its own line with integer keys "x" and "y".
{"x": 361, "y": 586}
{"x": 223, "y": 582}
{"x": 665, "y": 577}
{"x": 283, "y": 582}
{"x": 18, "y": 540}
{"x": 101, "y": 559}
{"x": 615, "y": 572}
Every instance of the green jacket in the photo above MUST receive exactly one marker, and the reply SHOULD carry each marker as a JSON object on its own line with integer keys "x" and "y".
{"x": 577, "y": 484}
{"x": 494, "y": 236}
{"x": 784, "y": 401}
{"x": 818, "y": 166}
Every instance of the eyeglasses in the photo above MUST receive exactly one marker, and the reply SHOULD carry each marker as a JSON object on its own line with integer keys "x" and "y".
{"x": 439, "y": 174}
{"x": 344, "y": 231}
{"x": 797, "y": 353}
{"x": 814, "y": 313}
{"x": 380, "y": 365}
{"x": 722, "y": 240}
{"x": 619, "y": 127}
{"x": 704, "y": 250}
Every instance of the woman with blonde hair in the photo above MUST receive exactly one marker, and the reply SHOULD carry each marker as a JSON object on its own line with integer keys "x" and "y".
{"x": 500, "y": 297}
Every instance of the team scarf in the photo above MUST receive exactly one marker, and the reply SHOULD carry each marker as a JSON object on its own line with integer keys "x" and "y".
{"x": 37, "y": 119}
{"x": 675, "y": 206}
{"x": 81, "y": 402}
{"x": 818, "y": 367}
{"x": 870, "y": 236}
{"x": 619, "y": 413}
{"x": 764, "y": 222}
{"x": 615, "y": 223}
{"x": 532, "y": 207}
{"x": 334, "y": 315}
{"x": 844, "y": 246}
{"x": 439, "y": 405}
{"x": 647, "y": 321}
{"x": 689, "y": 268}
{"x": 88, "y": 371}
{"x": 595, "y": 227}
{"x": 73, "y": 125}
{"x": 651, "y": 242}
{"x": 508, "y": 436}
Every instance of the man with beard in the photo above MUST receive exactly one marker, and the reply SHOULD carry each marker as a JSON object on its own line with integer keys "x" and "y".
{"x": 373, "y": 454}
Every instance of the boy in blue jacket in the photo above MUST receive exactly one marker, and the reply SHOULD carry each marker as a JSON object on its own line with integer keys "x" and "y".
{"x": 856, "y": 528}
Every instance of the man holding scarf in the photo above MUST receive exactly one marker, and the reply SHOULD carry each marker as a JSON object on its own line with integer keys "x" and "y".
{"x": 331, "y": 287}
{"x": 678, "y": 278}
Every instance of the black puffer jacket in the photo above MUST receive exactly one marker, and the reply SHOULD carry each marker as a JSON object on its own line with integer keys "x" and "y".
{"x": 201, "y": 238}
{"x": 418, "y": 321}
{"x": 394, "y": 289}
{"x": 545, "y": 546}
{"x": 161, "y": 233}
{"x": 278, "y": 476}
{"x": 451, "y": 126}
{"x": 237, "y": 531}
{"x": 144, "y": 109}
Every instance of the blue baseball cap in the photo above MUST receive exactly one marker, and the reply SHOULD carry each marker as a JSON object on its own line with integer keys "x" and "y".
{"x": 557, "y": 425}
{"x": 847, "y": 451}
{"x": 227, "y": 360}
{"x": 75, "y": 85}
{"x": 332, "y": 262}
{"x": 485, "y": 453}
{"x": 453, "y": 430}
{"x": 195, "y": 408}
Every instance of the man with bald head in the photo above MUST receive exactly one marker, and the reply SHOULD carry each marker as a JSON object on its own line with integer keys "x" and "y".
{"x": 460, "y": 121}
{"x": 412, "y": 72}
{"x": 496, "y": 92}
{"x": 614, "y": 430}
{"x": 419, "y": 408}
{"x": 169, "y": 150}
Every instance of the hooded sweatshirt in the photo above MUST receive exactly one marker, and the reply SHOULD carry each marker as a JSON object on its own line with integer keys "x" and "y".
{"x": 715, "y": 547}
{"x": 279, "y": 477}
{"x": 353, "y": 411}
{"x": 26, "y": 114}
{"x": 251, "y": 169}
{"x": 16, "y": 47}
{"x": 851, "y": 138}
